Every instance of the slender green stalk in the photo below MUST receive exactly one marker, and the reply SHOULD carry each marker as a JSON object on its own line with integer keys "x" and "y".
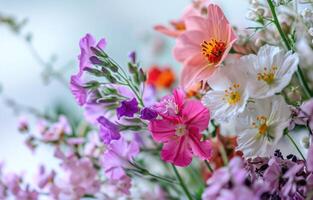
{"x": 299, "y": 72}
{"x": 182, "y": 184}
{"x": 144, "y": 171}
{"x": 295, "y": 144}
{"x": 223, "y": 154}
{"x": 208, "y": 165}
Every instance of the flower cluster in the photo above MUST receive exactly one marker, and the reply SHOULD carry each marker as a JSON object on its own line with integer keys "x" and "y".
{"x": 220, "y": 134}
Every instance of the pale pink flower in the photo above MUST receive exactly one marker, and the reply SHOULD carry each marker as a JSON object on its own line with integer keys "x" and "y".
{"x": 43, "y": 177}
{"x": 121, "y": 186}
{"x": 180, "y": 127}
{"x": 204, "y": 45}
{"x": 117, "y": 157}
{"x": 56, "y": 130}
{"x": 80, "y": 177}
{"x": 177, "y": 27}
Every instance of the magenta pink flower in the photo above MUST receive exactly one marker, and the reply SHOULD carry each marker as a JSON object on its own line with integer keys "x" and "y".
{"x": 204, "y": 45}
{"x": 180, "y": 127}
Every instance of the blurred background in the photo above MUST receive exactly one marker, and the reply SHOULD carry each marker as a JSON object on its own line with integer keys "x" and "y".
{"x": 48, "y": 41}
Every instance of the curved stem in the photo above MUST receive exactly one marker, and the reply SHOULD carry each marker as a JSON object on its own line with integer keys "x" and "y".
{"x": 182, "y": 184}
{"x": 299, "y": 72}
{"x": 208, "y": 165}
{"x": 295, "y": 144}
{"x": 223, "y": 154}
{"x": 144, "y": 171}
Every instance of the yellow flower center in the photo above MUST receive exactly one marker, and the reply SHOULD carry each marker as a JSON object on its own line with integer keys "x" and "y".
{"x": 261, "y": 124}
{"x": 213, "y": 50}
{"x": 232, "y": 94}
{"x": 180, "y": 130}
{"x": 268, "y": 75}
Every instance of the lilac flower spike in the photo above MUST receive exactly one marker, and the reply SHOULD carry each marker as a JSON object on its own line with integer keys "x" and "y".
{"x": 79, "y": 92}
{"x": 108, "y": 130}
{"x": 127, "y": 108}
{"x": 85, "y": 52}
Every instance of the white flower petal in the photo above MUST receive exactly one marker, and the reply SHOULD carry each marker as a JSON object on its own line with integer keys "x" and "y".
{"x": 277, "y": 115}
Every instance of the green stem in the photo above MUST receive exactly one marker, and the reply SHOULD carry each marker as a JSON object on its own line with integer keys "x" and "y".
{"x": 129, "y": 84}
{"x": 223, "y": 154}
{"x": 144, "y": 171}
{"x": 295, "y": 144}
{"x": 208, "y": 165}
{"x": 299, "y": 72}
{"x": 182, "y": 184}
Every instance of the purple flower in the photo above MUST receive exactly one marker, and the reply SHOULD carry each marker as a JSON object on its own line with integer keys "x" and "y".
{"x": 304, "y": 115}
{"x": 108, "y": 130}
{"x": 79, "y": 92}
{"x": 148, "y": 114}
{"x": 127, "y": 108}
{"x": 117, "y": 157}
{"x": 85, "y": 44}
{"x": 272, "y": 173}
{"x": 80, "y": 177}
{"x": 309, "y": 160}
{"x": 290, "y": 187}
{"x": 232, "y": 182}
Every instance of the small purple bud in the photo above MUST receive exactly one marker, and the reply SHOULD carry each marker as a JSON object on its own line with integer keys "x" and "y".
{"x": 148, "y": 114}
{"x": 94, "y": 60}
{"x": 132, "y": 55}
{"x": 127, "y": 108}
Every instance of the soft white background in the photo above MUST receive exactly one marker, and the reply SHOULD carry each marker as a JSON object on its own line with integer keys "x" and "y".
{"x": 57, "y": 26}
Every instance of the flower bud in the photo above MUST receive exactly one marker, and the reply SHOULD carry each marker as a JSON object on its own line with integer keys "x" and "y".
{"x": 260, "y": 11}
{"x": 306, "y": 13}
{"x": 305, "y": 142}
{"x": 251, "y": 15}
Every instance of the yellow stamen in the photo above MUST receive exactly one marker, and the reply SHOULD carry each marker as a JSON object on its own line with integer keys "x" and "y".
{"x": 267, "y": 76}
{"x": 261, "y": 124}
{"x": 213, "y": 50}
{"x": 232, "y": 94}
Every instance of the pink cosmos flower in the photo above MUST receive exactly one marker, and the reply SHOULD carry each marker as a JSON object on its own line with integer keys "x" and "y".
{"x": 204, "y": 45}
{"x": 179, "y": 129}
{"x": 179, "y": 26}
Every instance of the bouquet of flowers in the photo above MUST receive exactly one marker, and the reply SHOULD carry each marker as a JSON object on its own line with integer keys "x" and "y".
{"x": 214, "y": 135}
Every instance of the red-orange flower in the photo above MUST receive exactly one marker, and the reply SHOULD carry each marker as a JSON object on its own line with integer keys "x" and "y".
{"x": 160, "y": 77}
{"x": 229, "y": 143}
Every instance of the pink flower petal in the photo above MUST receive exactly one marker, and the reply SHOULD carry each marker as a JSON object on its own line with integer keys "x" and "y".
{"x": 179, "y": 96}
{"x": 197, "y": 23}
{"x": 167, "y": 31}
{"x": 177, "y": 152}
{"x": 202, "y": 149}
{"x": 162, "y": 130}
{"x": 193, "y": 74}
{"x": 196, "y": 114}
{"x": 188, "y": 44}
